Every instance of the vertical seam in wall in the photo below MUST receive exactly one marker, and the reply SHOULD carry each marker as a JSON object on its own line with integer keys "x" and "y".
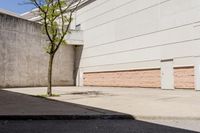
{"x": 4, "y": 65}
{"x": 74, "y": 67}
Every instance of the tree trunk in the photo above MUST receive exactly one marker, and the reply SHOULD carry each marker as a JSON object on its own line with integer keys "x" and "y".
{"x": 49, "y": 90}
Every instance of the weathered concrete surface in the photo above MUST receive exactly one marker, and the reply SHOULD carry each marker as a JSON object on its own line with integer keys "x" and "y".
{"x": 177, "y": 109}
{"x": 19, "y": 107}
{"x": 139, "y": 102}
{"x": 23, "y": 61}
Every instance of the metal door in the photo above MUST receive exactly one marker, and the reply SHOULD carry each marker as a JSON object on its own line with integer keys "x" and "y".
{"x": 167, "y": 74}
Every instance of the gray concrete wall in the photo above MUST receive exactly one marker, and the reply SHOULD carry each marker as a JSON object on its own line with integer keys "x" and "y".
{"x": 78, "y": 54}
{"x": 23, "y": 61}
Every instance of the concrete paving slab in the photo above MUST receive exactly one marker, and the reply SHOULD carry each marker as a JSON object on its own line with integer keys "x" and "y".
{"x": 17, "y": 106}
{"x": 141, "y": 103}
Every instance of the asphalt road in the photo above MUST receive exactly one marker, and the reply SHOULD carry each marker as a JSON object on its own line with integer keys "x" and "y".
{"x": 86, "y": 126}
{"x": 193, "y": 125}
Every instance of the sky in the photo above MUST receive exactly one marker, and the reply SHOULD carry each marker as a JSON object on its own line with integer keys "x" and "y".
{"x": 15, "y": 6}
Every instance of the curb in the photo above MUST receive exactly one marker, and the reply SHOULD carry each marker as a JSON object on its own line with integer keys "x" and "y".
{"x": 165, "y": 118}
{"x": 66, "y": 117}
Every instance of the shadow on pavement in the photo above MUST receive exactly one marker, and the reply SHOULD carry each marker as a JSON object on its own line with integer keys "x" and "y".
{"x": 25, "y": 113}
{"x": 20, "y": 106}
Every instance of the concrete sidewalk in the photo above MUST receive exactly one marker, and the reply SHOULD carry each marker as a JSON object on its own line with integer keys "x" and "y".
{"x": 139, "y": 102}
{"x": 18, "y": 106}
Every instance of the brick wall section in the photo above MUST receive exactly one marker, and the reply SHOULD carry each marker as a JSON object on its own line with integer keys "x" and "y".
{"x": 184, "y": 77}
{"x": 132, "y": 78}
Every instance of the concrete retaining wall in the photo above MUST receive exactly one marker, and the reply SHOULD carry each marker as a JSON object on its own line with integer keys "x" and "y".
{"x": 23, "y": 61}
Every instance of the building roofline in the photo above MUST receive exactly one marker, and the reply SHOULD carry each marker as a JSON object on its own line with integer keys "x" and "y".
{"x": 84, "y": 3}
{"x": 3, "y": 11}
{"x": 35, "y": 9}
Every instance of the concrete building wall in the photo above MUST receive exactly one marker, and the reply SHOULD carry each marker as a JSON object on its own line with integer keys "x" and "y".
{"x": 23, "y": 61}
{"x": 138, "y": 34}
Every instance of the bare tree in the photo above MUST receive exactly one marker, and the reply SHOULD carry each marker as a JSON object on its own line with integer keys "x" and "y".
{"x": 56, "y": 17}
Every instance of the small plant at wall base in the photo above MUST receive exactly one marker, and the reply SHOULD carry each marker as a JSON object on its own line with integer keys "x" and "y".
{"x": 56, "y": 17}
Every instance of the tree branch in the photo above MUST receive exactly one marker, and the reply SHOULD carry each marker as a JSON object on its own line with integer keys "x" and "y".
{"x": 68, "y": 26}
